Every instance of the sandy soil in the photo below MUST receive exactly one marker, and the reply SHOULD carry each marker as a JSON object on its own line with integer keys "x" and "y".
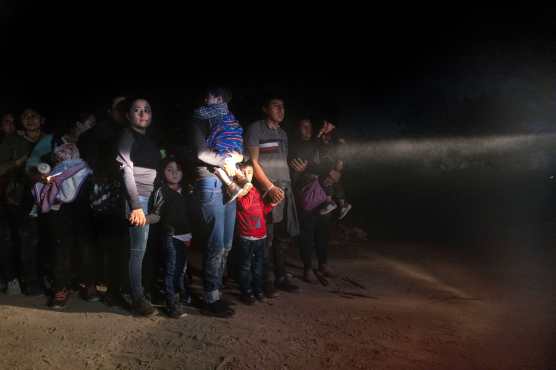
{"x": 490, "y": 305}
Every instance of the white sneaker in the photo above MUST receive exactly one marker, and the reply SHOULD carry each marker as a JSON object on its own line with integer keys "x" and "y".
{"x": 328, "y": 208}
{"x": 13, "y": 287}
{"x": 344, "y": 210}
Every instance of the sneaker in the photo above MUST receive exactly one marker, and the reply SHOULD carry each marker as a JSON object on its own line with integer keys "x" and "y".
{"x": 90, "y": 293}
{"x": 270, "y": 291}
{"x": 325, "y": 270}
{"x": 309, "y": 276}
{"x": 286, "y": 286}
{"x": 233, "y": 191}
{"x": 248, "y": 299}
{"x": 13, "y": 287}
{"x": 142, "y": 307}
{"x": 260, "y": 297}
{"x": 218, "y": 309}
{"x": 59, "y": 299}
{"x": 174, "y": 311}
{"x": 328, "y": 208}
{"x": 344, "y": 210}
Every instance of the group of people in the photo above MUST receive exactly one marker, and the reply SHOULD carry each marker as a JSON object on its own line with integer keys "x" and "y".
{"x": 98, "y": 194}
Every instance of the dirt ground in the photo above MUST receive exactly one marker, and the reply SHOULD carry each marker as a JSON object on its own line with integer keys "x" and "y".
{"x": 487, "y": 305}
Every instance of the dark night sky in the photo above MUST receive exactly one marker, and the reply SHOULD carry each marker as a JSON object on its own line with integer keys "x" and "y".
{"x": 332, "y": 60}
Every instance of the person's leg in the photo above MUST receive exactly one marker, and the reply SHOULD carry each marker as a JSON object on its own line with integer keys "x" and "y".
{"x": 83, "y": 229}
{"x": 268, "y": 262}
{"x": 257, "y": 267}
{"x": 228, "y": 239}
{"x": 245, "y": 254}
{"x": 59, "y": 223}
{"x": 171, "y": 270}
{"x": 179, "y": 281}
{"x": 305, "y": 239}
{"x": 321, "y": 233}
{"x": 209, "y": 191}
{"x": 114, "y": 238}
{"x": 7, "y": 248}
{"x": 28, "y": 229}
{"x": 280, "y": 246}
{"x": 138, "y": 245}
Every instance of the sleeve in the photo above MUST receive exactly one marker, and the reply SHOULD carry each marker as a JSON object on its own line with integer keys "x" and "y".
{"x": 267, "y": 208}
{"x": 126, "y": 167}
{"x": 203, "y": 152}
{"x": 245, "y": 202}
{"x": 44, "y": 146}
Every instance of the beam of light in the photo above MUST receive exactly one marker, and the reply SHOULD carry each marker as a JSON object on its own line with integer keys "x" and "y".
{"x": 384, "y": 151}
{"x": 420, "y": 275}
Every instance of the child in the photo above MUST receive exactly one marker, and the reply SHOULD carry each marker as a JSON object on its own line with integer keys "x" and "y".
{"x": 177, "y": 237}
{"x": 62, "y": 197}
{"x": 225, "y": 138}
{"x": 328, "y": 152}
{"x": 251, "y": 226}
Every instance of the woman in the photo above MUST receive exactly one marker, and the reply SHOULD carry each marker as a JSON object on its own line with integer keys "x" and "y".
{"x": 138, "y": 157}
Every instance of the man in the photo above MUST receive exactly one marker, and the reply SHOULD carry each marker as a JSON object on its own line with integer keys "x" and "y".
{"x": 7, "y": 125}
{"x": 267, "y": 144}
{"x": 19, "y": 231}
{"x": 97, "y": 147}
{"x": 217, "y": 215}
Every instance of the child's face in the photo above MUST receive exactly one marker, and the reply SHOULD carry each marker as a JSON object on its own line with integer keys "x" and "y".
{"x": 248, "y": 171}
{"x": 173, "y": 174}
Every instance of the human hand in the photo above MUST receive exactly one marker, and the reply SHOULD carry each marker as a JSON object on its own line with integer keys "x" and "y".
{"x": 299, "y": 165}
{"x": 20, "y": 161}
{"x": 276, "y": 194}
{"x": 137, "y": 218}
{"x": 230, "y": 169}
{"x": 339, "y": 165}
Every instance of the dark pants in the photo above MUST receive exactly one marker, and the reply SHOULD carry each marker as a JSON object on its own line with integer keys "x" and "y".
{"x": 314, "y": 237}
{"x": 277, "y": 243}
{"x": 111, "y": 240}
{"x": 19, "y": 236}
{"x": 251, "y": 261}
{"x": 176, "y": 266}
{"x": 71, "y": 231}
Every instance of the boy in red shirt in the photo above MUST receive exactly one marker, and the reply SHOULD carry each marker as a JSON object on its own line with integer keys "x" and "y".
{"x": 251, "y": 227}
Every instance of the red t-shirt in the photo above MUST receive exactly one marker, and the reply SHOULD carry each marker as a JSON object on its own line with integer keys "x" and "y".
{"x": 251, "y": 212}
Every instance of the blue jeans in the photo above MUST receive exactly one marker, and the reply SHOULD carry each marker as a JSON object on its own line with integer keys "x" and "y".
{"x": 138, "y": 237}
{"x": 251, "y": 255}
{"x": 217, "y": 221}
{"x": 176, "y": 266}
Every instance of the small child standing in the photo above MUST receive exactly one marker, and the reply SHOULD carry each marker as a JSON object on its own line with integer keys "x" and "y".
{"x": 225, "y": 138}
{"x": 251, "y": 227}
{"x": 174, "y": 217}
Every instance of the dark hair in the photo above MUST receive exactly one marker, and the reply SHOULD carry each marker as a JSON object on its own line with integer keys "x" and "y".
{"x": 270, "y": 97}
{"x": 160, "y": 179}
{"x": 248, "y": 163}
{"x": 128, "y": 103}
{"x": 218, "y": 91}
{"x": 169, "y": 159}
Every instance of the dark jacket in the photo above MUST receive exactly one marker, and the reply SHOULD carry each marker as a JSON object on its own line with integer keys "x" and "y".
{"x": 174, "y": 212}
